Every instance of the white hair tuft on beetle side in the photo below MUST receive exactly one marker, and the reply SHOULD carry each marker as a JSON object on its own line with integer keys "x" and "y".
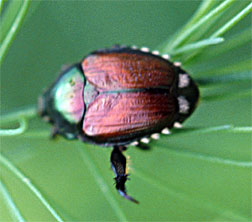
{"x": 155, "y": 52}
{"x": 145, "y": 140}
{"x": 166, "y": 131}
{"x": 183, "y": 105}
{"x": 155, "y": 136}
{"x": 135, "y": 143}
{"x": 166, "y": 56}
{"x": 177, "y": 125}
{"x": 178, "y": 64}
{"x": 184, "y": 80}
{"x": 145, "y": 49}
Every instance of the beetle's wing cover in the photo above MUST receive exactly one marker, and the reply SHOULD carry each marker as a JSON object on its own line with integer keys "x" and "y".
{"x": 117, "y": 69}
{"x": 117, "y": 114}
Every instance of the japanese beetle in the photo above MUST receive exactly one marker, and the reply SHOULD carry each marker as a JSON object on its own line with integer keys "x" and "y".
{"x": 116, "y": 97}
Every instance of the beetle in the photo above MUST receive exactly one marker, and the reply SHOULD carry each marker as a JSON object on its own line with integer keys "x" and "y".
{"x": 116, "y": 97}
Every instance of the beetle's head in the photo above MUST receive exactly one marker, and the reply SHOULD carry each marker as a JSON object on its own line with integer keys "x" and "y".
{"x": 62, "y": 103}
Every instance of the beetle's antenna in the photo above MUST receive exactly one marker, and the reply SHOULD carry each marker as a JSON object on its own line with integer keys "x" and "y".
{"x": 118, "y": 164}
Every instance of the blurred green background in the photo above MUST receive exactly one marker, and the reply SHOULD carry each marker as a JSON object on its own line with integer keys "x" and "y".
{"x": 185, "y": 177}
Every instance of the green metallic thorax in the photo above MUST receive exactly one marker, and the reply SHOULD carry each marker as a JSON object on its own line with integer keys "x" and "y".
{"x": 68, "y": 95}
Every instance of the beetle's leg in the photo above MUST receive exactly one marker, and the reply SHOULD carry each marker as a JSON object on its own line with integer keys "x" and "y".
{"x": 82, "y": 138}
{"x": 54, "y": 132}
{"x": 142, "y": 146}
{"x": 118, "y": 164}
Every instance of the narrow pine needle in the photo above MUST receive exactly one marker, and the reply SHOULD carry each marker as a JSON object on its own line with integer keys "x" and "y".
{"x": 244, "y": 65}
{"x": 177, "y": 132}
{"x": 28, "y": 183}
{"x": 1, "y": 5}
{"x": 185, "y": 197}
{"x": 235, "y": 41}
{"x": 203, "y": 9}
{"x": 233, "y": 21}
{"x": 204, "y": 130}
{"x": 35, "y": 134}
{"x": 214, "y": 159}
{"x": 178, "y": 41}
{"x": 12, "y": 30}
{"x": 26, "y": 113}
{"x": 221, "y": 31}
{"x": 9, "y": 202}
{"x": 227, "y": 96}
{"x": 8, "y": 16}
{"x": 13, "y": 132}
{"x": 177, "y": 194}
{"x": 102, "y": 184}
{"x": 231, "y": 78}
{"x": 197, "y": 45}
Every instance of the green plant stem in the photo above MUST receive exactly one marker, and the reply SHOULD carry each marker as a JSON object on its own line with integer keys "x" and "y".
{"x": 15, "y": 213}
{"x": 27, "y": 182}
{"x": 5, "y": 44}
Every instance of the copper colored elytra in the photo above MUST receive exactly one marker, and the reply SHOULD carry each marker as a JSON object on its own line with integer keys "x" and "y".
{"x": 119, "y": 96}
